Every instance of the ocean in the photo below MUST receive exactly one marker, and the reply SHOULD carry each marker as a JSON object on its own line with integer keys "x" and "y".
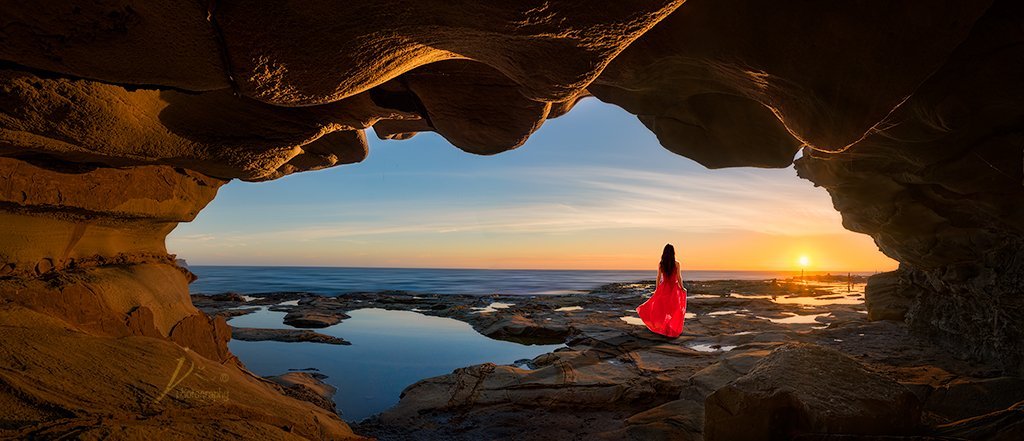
{"x": 335, "y": 281}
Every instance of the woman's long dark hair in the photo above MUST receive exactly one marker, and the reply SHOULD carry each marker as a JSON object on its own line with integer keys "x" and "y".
{"x": 668, "y": 260}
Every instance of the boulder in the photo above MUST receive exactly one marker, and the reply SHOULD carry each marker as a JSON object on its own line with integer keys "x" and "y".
{"x": 313, "y": 319}
{"x": 886, "y": 298}
{"x": 708, "y": 380}
{"x": 802, "y": 388}
{"x": 525, "y": 330}
{"x": 285, "y": 335}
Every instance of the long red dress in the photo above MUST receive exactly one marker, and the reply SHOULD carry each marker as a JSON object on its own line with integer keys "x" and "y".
{"x": 663, "y": 313}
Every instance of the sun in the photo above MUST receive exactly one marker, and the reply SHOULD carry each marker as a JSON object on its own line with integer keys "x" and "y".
{"x": 804, "y": 261}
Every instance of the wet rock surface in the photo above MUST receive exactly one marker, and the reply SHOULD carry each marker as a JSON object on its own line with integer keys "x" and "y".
{"x": 307, "y": 319}
{"x": 307, "y": 386}
{"x": 285, "y": 335}
{"x": 614, "y": 379}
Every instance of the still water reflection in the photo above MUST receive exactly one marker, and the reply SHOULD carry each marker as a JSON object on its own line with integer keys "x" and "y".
{"x": 390, "y": 350}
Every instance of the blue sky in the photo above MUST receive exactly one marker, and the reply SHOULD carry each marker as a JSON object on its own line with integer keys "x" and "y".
{"x": 591, "y": 189}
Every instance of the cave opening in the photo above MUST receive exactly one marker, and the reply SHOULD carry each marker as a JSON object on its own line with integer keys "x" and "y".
{"x": 121, "y": 120}
{"x": 592, "y": 190}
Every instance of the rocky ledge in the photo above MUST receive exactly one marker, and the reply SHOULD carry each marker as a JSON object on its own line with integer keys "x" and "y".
{"x": 285, "y": 335}
{"x": 773, "y": 353}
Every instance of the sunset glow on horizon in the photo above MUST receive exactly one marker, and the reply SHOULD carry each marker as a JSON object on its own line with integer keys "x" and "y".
{"x": 591, "y": 190}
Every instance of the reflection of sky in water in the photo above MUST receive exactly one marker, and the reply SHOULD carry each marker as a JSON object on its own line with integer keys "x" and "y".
{"x": 795, "y": 319}
{"x": 639, "y": 322}
{"x": 260, "y": 319}
{"x": 632, "y": 320}
{"x": 710, "y": 347}
{"x": 569, "y": 308}
{"x": 840, "y": 296}
{"x": 390, "y": 350}
{"x": 819, "y": 301}
{"x": 494, "y": 306}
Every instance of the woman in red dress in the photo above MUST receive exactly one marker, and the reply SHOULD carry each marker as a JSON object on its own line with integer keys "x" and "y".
{"x": 663, "y": 313}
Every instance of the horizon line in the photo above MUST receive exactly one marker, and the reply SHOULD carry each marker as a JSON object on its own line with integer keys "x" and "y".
{"x": 876, "y": 271}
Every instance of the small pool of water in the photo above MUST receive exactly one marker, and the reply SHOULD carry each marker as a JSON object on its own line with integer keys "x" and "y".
{"x": 852, "y": 299}
{"x": 263, "y": 318}
{"x": 494, "y": 306}
{"x": 390, "y": 350}
{"x": 819, "y": 301}
{"x": 569, "y": 308}
{"x": 796, "y": 319}
{"x": 710, "y": 347}
{"x": 639, "y": 322}
{"x": 632, "y": 320}
{"x": 725, "y": 312}
{"x": 751, "y": 296}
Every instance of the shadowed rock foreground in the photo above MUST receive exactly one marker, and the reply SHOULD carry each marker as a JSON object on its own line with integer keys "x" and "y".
{"x": 121, "y": 118}
{"x": 757, "y": 360}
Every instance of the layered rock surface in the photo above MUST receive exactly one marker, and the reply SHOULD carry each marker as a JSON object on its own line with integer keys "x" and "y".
{"x": 120, "y": 118}
{"x": 802, "y": 388}
{"x": 757, "y": 359}
{"x": 938, "y": 185}
{"x": 99, "y": 336}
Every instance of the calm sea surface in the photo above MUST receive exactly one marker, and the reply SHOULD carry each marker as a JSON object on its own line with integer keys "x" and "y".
{"x": 334, "y": 281}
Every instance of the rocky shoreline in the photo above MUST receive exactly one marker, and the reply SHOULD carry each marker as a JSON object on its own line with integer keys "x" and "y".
{"x": 751, "y": 351}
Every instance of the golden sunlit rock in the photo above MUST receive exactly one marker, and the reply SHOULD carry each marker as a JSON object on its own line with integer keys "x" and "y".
{"x": 121, "y": 118}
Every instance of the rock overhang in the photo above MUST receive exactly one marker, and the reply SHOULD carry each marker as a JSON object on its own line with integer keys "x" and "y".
{"x": 908, "y": 112}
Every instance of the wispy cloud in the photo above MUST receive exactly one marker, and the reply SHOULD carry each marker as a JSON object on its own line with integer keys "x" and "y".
{"x": 189, "y": 238}
{"x": 593, "y": 198}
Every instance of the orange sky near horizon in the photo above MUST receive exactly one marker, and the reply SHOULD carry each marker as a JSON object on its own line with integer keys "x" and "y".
{"x": 591, "y": 190}
{"x": 628, "y": 249}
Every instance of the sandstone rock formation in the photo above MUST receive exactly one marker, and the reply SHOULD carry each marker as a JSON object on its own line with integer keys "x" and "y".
{"x": 888, "y": 299}
{"x": 308, "y": 387}
{"x": 312, "y": 319}
{"x": 615, "y": 380}
{"x": 939, "y": 184}
{"x": 801, "y": 388}
{"x": 121, "y": 118}
{"x": 285, "y": 335}
{"x": 99, "y": 336}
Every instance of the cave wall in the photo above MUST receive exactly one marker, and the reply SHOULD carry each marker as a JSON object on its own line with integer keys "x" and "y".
{"x": 98, "y": 335}
{"x": 940, "y": 185}
{"x": 121, "y": 118}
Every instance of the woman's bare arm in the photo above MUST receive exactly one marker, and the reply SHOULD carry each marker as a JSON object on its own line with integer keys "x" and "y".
{"x": 657, "y": 280}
